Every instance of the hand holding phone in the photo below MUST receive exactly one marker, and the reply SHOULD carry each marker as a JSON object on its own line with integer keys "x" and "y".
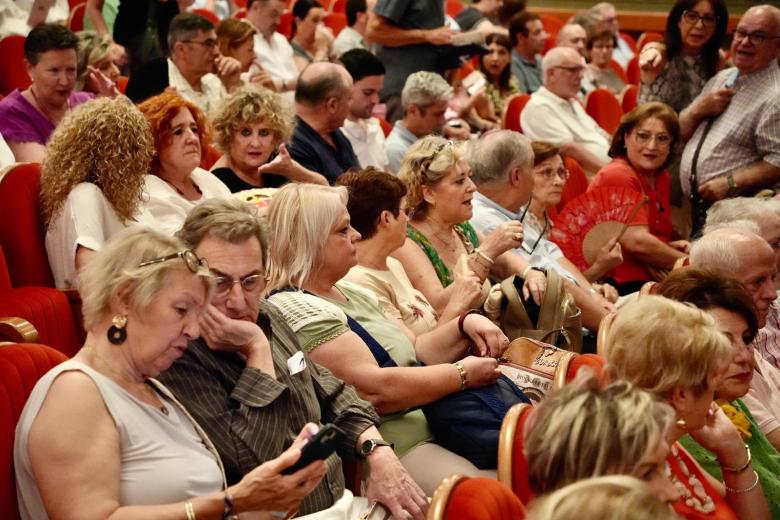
{"x": 318, "y": 448}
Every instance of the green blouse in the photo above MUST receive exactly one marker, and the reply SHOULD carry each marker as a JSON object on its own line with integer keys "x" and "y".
{"x": 766, "y": 460}
{"x": 467, "y": 234}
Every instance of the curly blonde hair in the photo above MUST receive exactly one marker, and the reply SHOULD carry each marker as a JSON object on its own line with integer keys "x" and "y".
{"x": 426, "y": 163}
{"x": 251, "y": 105}
{"x": 106, "y": 142}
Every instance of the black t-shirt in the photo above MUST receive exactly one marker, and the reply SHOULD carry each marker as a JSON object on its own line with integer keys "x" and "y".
{"x": 132, "y": 19}
{"x": 236, "y": 183}
{"x": 313, "y": 152}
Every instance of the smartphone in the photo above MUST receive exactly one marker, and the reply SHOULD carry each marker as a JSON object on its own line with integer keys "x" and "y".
{"x": 318, "y": 448}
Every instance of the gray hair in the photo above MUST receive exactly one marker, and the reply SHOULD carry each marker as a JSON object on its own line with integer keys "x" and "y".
{"x": 553, "y": 57}
{"x": 728, "y": 211}
{"x": 716, "y": 250}
{"x": 186, "y": 26}
{"x": 496, "y": 153}
{"x": 424, "y": 89}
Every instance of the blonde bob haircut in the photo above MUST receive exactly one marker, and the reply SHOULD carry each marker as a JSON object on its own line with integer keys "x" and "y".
{"x": 585, "y": 431}
{"x": 660, "y": 344}
{"x": 612, "y": 497}
{"x": 115, "y": 268}
{"x": 426, "y": 163}
{"x": 301, "y": 217}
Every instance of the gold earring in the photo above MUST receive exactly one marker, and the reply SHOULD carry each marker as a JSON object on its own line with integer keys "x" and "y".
{"x": 117, "y": 334}
{"x": 682, "y": 424}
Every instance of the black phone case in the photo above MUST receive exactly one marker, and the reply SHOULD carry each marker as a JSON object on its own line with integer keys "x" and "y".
{"x": 319, "y": 448}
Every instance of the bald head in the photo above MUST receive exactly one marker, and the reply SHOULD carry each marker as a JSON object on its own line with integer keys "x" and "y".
{"x": 749, "y": 57}
{"x": 573, "y": 35}
{"x": 562, "y": 70}
{"x": 321, "y": 81}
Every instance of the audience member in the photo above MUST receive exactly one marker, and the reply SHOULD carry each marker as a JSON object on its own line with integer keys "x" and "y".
{"x": 641, "y": 150}
{"x": 312, "y": 248}
{"x": 251, "y": 126}
{"x": 20, "y": 16}
{"x": 733, "y": 123}
{"x": 496, "y": 68}
{"x": 242, "y": 357}
{"x": 502, "y": 169}
{"x": 554, "y": 115}
{"x": 681, "y": 366}
{"x": 424, "y": 101}
{"x": 89, "y": 193}
{"x": 508, "y": 10}
{"x": 441, "y": 244}
{"x": 176, "y": 183}
{"x": 323, "y": 96}
{"x": 100, "y": 16}
{"x": 362, "y": 129}
{"x": 481, "y": 16}
{"x": 599, "y": 73}
{"x": 353, "y": 35}
{"x": 28, "y": 117}
{"x": 607, "y": 16}
{"x": 142, "y": 28}
{"x": 729, "y": 303}
{"x": 573, "y": 36}
{"x": 195, "y": 70}
{"x": 95, "y": 53}
{"x": 528, "y": 37}
{"x": 675, "y": 72}
{"x": 99, "y": 427}
{"x": 310, "y": 40}
{"x": 237, "y": 40}
{"x": 273, "y": 53}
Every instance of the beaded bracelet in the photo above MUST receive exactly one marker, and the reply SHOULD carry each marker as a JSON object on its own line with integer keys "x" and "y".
{"x": 746, "y": 490}
{"x": 464, "y": 380}
{"x": 463, "y": 319}
{"x": 744, "y": 466}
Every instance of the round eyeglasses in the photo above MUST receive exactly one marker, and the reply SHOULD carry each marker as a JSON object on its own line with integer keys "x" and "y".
{"x": 188, "y": 256}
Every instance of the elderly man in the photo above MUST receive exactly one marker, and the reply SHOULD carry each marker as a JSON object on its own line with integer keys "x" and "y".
{"x": 735, "y": 121}
{"x": 528, "y": 37}
{"x": 573, "y": 36}
{"x": 196, "y": 69}
{"x": 555, "y": 116}
{"x": 607, "y": 16}
{"x": 502, "y": 168}
{"x": 249, "y": 385}
{"x": 322, "y": 100}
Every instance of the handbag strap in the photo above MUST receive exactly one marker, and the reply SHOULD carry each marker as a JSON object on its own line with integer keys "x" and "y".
{"x": 550, "y": 311}
{"x": 518, "y": 317}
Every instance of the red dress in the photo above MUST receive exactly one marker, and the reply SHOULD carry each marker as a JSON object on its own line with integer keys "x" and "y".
{"x": 683, "y": 467}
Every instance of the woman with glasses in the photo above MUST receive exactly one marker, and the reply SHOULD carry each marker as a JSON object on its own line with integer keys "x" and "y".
{"x": 642, "y": 148}
{"x": 98, "y": 427}
{"x": 675, "y": 71}
{"x": 599, "y": 73}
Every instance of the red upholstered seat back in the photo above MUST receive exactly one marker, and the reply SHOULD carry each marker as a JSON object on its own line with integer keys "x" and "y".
{"x": 603, "y": 106}
{"x": 13, "y": 73}
{"x": 483, "y": 499}
{"x": 512, "y": 110}
{"x": 593, "y": 361}
{"x": 21, "y": 227}
{"x": 336, "y": 21}
{"x": 628, "y": 98}
{"x": 632, "y": 71}
{"x": 615, "y": 66}
{"x": 576, "y": 185}
{"x": 5, "y": 280}
{"x": 520, "y": 484}
{"x": 21, "y": 365}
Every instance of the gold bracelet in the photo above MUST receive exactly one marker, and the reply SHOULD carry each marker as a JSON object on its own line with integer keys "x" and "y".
{"x": 189, "y": 510}
{"x": 746, "y": 490}
{"x": 464, "y": 380}
{"x": 744, "y": 466}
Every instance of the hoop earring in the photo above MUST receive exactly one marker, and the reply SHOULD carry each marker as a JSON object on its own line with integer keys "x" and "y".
{"x": 682, "y": 424}
{"x": 117, "y": 334}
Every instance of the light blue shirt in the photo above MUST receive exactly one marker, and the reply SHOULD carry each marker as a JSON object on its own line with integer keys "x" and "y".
{"x": 399, "y": 140}
{"x": 528, "y": 73}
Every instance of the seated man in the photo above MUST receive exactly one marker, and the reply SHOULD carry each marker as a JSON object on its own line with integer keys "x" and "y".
{"x": 353, "y": 35}
{"x": 323, "y": 95}
{"x": 195, "y": 68}
{"x": 362, "y": 129}
{"x": 554, "y": 115}
{"x": 273, "y": 53}
{"x": 574, "y": 36}
{"x": 605, "y": 12}
{"x": 502, "y": 168}
{"x": 251, "y": 388}
{"x": 528, "y": 38}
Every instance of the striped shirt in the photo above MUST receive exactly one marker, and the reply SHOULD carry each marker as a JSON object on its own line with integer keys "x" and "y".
{"x": 252, "y": 418}
{"x": 767, "y": 341}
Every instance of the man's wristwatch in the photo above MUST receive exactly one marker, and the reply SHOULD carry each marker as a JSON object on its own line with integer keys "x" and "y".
{"x": 733, "y": 188}
{"x": 368, "y": 447}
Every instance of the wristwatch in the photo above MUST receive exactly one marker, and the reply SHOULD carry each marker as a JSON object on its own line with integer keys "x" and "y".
{"x": 733, "y": 188}
{"x": 368, "y": 447}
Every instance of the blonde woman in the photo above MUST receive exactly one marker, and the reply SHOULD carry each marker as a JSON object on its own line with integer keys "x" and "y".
{"x": 681, "y": 365}
{"x": 250, "y": 129}
{"x": 90, "y": 192}
{"x": 95, "y": 53}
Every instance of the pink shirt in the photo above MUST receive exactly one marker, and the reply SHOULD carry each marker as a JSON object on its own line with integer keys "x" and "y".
{"x": 763, "y": 398}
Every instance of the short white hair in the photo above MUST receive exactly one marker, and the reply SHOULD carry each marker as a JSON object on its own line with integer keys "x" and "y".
{"x": 739, "y": 208}
{"x": 554, "y": 57}
{"x": 424, "y": 89}
{"x": 717, "y": 249}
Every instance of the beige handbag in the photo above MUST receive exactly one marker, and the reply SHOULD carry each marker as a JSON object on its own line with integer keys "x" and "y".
{"x": 376, "y": 512}
{"x": 535, "y": 367}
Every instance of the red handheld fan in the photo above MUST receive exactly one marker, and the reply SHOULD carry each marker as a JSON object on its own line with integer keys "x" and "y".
{"x": 592, "y": 219}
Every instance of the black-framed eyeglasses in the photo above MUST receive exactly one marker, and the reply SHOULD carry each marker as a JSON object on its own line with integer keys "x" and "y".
{"x": 643, "y": 138}
{"x": 692, "y": 17}
{"x": 211, "y": 42}
{"x": 188, "y": 256}
{"x": 224, "y": 284}
{"x": 576, "y": 69}
{"x": 756, "y": 38}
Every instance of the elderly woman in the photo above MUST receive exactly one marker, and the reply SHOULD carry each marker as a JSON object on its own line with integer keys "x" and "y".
{"x": 439, "y": 236}
{"x": 641, "y": 150}
{"x": 100, "y": 428}
{"x": 379, "y": 212}
{"x": 250, "y": 126}
{"x": 599, "y": 73}
{"x": 681, "y": 366}
{"x": 176, "y": 183}
{"x": 727, "y": 301}
{"x": 95, "y": 53}
{"x": 342, "y": 327}
{"x": 89, "y": 193}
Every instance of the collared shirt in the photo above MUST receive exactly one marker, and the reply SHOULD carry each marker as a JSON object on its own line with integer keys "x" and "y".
{"x": 746, "y": 132}
{"x": 488, "y": 215}
{"x": 212, "y": 91}
{"x": 368, "y": 141}
{"x": 252, "y": 417}
{"x": 763, "y": 397}
{"x": 347, "y": 40}
{"x": 558, "y": 121}
{"x": 767, "y": 341}
{"x": 622, "y": 53}
{"x": 528, "y": 73}
{"x": 313, "y": 152}
{"x": 275, "y": 56}
{"x": 399, "y": 140}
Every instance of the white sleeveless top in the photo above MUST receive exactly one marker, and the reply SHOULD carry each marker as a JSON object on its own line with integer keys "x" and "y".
{"x": 164, "y": 458}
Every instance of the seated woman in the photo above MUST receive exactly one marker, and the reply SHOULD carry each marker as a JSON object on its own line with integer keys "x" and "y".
{"x": 89, "y": 193}
{"x": 95, "y": 53}
{"x": 250, "y": 125}
{"x": 681, "y": 366}
{"x": 439, "y": 236}
{"x": 599, "y": 73}
{"x": 500, "y": 84}
{"x": 176, "y": 183}
{"x": 236, "y": 40}
{"x": 312, "y": 248}
{"x": 584, "y": 430}
{"x": 642, "y": 148}
{"x": 100, "y": 428}
{"x": 379, "y": 212}
{"x": 311, "y": 40}
{"x": 727, "y": 301}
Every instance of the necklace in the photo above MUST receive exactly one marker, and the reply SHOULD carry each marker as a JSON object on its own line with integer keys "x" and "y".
{"x": 45, "y": 112}
{"x": 178, "y": 190}
{"x": 694, "y": 496}
{"x": 152, "y": 393}
{"x": 446, "y": 242}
